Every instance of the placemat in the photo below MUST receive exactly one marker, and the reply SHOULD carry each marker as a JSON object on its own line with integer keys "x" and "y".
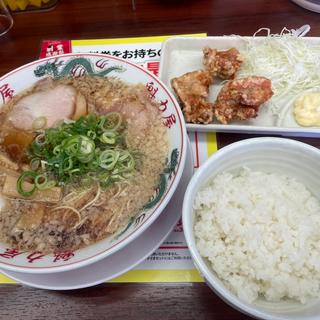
{"x": 171, "y": 262}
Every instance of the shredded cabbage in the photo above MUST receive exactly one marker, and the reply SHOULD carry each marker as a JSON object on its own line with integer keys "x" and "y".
{"x": 290, "y": 62}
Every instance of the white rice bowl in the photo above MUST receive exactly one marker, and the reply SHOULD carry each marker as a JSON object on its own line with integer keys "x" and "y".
{"x": 268, "y": 277}
{"x": 261, "y": 234}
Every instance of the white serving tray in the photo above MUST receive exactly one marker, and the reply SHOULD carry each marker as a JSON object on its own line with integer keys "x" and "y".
{"x": 184, "y": 54}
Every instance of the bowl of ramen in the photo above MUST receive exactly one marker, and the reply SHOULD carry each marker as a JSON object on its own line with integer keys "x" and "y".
{"x": 92, "y": 148}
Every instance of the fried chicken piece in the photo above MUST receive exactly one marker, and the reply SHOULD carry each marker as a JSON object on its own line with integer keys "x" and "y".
{"x": 223, "y": 64}
{"x": 192, "y": 89}
{"x": 241, "y": 98}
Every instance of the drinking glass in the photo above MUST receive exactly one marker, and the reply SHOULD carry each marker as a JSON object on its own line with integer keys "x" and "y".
{"x": 6, "y": 20}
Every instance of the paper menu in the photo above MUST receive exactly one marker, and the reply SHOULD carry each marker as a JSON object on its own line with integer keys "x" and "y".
{"x": 144, "y": 51}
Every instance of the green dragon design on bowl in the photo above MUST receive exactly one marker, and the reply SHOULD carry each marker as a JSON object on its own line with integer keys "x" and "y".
{"x": 58, "y": 69}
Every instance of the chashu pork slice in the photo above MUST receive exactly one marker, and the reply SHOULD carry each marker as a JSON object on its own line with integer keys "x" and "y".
{"x": 55, "y": 104}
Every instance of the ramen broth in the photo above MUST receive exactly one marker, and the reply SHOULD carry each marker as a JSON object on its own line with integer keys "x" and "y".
{"x": 110, "y": 170}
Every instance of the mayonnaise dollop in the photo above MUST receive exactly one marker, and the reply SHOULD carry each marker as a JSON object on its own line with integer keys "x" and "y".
{"x": 307, "y": 109}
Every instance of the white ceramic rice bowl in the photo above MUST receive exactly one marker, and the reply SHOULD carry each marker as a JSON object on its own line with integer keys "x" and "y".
{"x": 103, "y": 65}
{"x": 289, "y": 157}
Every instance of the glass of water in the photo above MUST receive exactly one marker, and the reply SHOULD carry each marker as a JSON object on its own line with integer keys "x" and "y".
{"x": 6, "y": 20}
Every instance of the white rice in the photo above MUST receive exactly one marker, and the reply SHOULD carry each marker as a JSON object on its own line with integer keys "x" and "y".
{"x": 261, "y": 234}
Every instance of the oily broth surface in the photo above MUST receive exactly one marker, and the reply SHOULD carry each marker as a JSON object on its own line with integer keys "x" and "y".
{"x": 109, "y": 209}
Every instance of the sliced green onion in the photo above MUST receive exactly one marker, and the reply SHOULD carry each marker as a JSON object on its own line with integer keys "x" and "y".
{"x": 105, "y": 180}
{"x": 108, "y": 137}
{"x": 111, "y": 121}
{"x": 87, "y": 145}
{"x": 117, "y": 177}
{"x": 86, "y": 158}
{"x": 91, "y": 134}
{"x": 40, "y": 181}
{"x": 40, "y": 140}
{"x": 35, "y": 164}
{"x": 127, "y": 160}
{"x": 71, "y": 145}
{"x": 67, "y": 121}
{"x": 56, "y": 150}
{"x": 74, "y": 171}
{"x": 44, "y": 164}
{"x": 22, "y": 179}
{"x": 67, "y": 164}
{"x": 108, "y": 159}
{"x": 90, "y": 148}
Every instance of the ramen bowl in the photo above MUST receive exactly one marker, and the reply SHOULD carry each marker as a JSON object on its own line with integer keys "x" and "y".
{"x": 278, "y": 156}
{"x": 75, "y": 65}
